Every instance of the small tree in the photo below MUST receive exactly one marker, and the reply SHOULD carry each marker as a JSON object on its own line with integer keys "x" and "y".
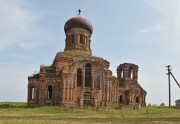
{"x": 149, "y": 104}
{"x": 162, "y": 104}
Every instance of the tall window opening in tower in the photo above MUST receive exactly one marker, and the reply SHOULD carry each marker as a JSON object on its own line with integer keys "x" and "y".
{"x": 88, "y": 75}
{"x": 49, "y": 92}
{"x": 121, "y": 73}
{"x": 32, "y": 92}
{"x": 79, "y": 77}
{"x": 131, "y": 72}
{"x": 81, "y": 39}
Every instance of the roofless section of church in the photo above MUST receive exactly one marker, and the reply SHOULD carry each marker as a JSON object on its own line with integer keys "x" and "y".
{"x": 78, "y": 79}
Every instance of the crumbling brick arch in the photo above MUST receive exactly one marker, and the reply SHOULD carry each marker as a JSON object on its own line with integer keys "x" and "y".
{"x": 127, "y": 70}
{"x": 121, "y": 73}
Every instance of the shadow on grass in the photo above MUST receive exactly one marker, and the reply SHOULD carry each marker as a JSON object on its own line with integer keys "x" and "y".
{"x": 5, "y": 106}
{"x": 10, "y": 105}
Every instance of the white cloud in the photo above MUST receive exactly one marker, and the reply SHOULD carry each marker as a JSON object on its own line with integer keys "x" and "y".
{"x": 167, "y": 24}
{"x": 19, "y": 25}
{"x": 145, "y": 31}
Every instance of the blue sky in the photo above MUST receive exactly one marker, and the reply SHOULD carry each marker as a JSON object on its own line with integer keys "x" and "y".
{"x": 143, "y": 32}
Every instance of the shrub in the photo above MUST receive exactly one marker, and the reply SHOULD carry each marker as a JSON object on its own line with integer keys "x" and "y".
{"x": 162, "y": 104}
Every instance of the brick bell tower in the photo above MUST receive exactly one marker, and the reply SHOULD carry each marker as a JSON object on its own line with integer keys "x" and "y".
{"x": 127, "y": 72}
{"x": 78, "y": 33}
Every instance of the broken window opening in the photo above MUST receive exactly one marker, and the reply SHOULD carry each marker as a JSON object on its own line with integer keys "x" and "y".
{"x": 32, "y": 93}
{"x": 131, "y": 72}
{"x": 49, "y": 92}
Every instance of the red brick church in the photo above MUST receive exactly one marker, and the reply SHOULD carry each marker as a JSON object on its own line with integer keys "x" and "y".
{"x": 78, "y": 79}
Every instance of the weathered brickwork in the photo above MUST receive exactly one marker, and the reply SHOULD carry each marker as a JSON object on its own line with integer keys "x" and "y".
{"x": 78, "y": 79}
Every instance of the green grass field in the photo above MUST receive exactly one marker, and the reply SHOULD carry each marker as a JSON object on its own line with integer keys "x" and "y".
{"x": 18, "y": 113}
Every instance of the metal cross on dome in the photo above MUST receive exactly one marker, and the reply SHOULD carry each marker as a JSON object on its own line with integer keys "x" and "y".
{"x": 79, "y": 12}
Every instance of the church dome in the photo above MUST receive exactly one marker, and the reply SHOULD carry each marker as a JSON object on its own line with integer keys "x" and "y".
{"x": 78, "y": 22}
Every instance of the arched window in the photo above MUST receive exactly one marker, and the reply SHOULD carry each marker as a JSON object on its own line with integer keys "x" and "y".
{"x": 81, "y": 39}
{"x": 88, "y": 75}
{"x": 72, "y": 38}
{"x": 50, "y": 92}
{"x": 137, "y": 99}
{"x": 121, "y": 98}
{"x": 32, "y": 92}
{"x": 131, "y": 72}
{"x": 96, "y": 80}
{"x": 79, "y": 77}
{"x": 87, "y": 99}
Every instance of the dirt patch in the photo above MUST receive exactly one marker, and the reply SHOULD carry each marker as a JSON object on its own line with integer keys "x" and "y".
{"x": 98, "y": 120}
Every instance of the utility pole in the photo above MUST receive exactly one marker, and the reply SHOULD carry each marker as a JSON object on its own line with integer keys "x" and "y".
{"x": 169, "y": 72}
